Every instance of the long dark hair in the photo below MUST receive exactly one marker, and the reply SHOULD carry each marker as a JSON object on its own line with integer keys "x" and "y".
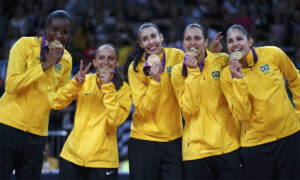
{"x": 195, "y": 25}
{"x": 239, "y": 27}
{"x": 136, "y": 54}
{"x": 119, "y": 73}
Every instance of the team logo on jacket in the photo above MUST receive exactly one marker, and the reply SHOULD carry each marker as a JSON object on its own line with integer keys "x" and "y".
{"x": 57, "y": 67}
{"x": 169, "y": 69}
{"x": 215, "y": 75}
{"x": 265, "y": 69}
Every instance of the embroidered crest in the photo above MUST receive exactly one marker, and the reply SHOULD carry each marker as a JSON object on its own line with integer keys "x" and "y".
{"x": 57, "y": 67}
{"x": 215, "y": 75}
{"x": 265, "y": 69}
{"x": 169, "y": 69}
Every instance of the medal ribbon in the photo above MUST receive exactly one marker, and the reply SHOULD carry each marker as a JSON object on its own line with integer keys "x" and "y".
{"x": 146, "y": 67}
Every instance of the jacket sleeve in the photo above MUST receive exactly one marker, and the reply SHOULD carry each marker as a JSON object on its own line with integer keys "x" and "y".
{"x": 65, "y": 95}
{"x": 19, "y": 76}
{"x": 145, "y": 97}
{"x": 291, "y": 73}
{"x": 117, "y": 103}
{"x": 236, "y": 93}
{"x": 186, "y": 89}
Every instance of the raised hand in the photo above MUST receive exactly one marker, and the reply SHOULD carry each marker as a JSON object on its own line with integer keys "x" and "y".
{"x": 80, "y": 75}
{"x": 235, "y": 68}
{"x": 216, "y": 46}
{"x": 53, "y": 56}
{"x": 191, "y": 62}
{"x": 155, "y": 71}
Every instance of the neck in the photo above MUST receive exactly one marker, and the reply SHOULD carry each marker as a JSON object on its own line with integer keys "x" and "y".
{"x": 243, "y": 62}
{"x": 161, "y": 50}
{"x": 200, "y": 58}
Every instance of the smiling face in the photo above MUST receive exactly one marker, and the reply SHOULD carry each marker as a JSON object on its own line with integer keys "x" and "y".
{"x": 150, "y": 40}
{"x": 238, "y": 41}
{"x": 194, "y": 39}
{"x": 58, "y": 29}
{"x": 106, "y": 56}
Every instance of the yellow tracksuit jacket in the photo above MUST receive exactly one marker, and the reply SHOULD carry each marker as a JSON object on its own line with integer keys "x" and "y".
{"x": 157, "y": 115}
{"x": 25, "y": 105}
{"x": 260, "y": 101}
{"x": 93, "y": 142}
{"x": 209, "y": 129}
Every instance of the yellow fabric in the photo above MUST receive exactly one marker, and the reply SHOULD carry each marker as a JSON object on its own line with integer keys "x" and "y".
{"x": 24, "y": 105}
{"x": 260, "y": 101}
{"x": 93, "y": 141}
{"x": 209, "y": 129}
{"x": 157, "y": 116}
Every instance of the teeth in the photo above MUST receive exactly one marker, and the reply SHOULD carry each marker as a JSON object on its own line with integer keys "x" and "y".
{"x": 237, "y": 50}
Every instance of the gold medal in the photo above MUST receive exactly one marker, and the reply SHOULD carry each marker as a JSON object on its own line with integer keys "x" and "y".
{"x": 192, "y": 52}
{"x": 237, "y": 55}
{"x": 105, "y": 69}
{"x": 56, "y": 44}
{"x": 153, "y": 58}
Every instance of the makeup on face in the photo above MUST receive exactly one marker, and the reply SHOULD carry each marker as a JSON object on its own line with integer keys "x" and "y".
{"x": 151, "y": 41}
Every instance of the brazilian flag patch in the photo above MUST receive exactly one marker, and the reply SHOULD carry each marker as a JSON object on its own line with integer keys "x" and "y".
{"x": 265, "y": 69}
{"x": 215, "y": 75}
{"x": 57, "y": 67}
{"x": 169, "y": 69}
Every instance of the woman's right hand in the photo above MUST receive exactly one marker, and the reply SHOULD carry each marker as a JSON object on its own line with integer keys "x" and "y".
{"x": 155, "y": 71}
{"x": 53, "y": 56}
{"x": 191, "y": 62}
{"x": 80, "y": 75}
{"x": 236, "y": 68}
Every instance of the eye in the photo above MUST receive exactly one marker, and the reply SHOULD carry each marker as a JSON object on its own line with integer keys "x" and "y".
{"x": 111, "y": 58}
{"x": 229, "y": 41}
{"x": 145, "y": 38}
{"x": 198, "y": 38}
{"x": 65, "y": 32}
{"x": 101, "y": 58}
{"x": 153, "y": 36}
{"x": 188, "y": 38}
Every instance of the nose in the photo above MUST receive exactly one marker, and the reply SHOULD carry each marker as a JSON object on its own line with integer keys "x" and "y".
{"x": 105, "y": 62}
{"x": 59, "y": 35}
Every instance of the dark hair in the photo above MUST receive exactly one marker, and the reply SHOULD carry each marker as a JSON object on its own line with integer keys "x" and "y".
{"x": 239, "y": 27}
{"x": 119, "y": 73}
{"x": 137, "y": 53}
{"x": 195, "y": 25}
{"x": 58, "y": 14}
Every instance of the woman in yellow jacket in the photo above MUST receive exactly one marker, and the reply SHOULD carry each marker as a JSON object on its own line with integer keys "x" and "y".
{"x": 35, "y": 66}
{"x": 155, "y": 142}
{"x": 210, "y": 141}
{"x": 254, "y": 87}
{"x": 103, "y": 103}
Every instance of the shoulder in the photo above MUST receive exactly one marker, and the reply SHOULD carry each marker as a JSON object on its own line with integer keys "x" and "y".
{"x": 125, "y": 88}
{"x": 177, "y": 68}
{"x": 67, "y": 56}
{"x": 269, "y": 50}
{"x": 226, "y": 72}
{"x": 90, "y": 77}
{"x": 218, "y": 57}
{"x": 174, "y": 51}
{"x": 27, "y": 42}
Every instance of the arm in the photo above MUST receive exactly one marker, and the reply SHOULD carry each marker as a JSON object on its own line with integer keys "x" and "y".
{"x": 236, "y": 93}
{"x": 19, "y": 76}
{"x": 292, "y": 75}
{"x": 145, "y": 97}
{"x": 67, "y": 90}
{"x": 186, "y": 89}
{"x": 117, "y": 103}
